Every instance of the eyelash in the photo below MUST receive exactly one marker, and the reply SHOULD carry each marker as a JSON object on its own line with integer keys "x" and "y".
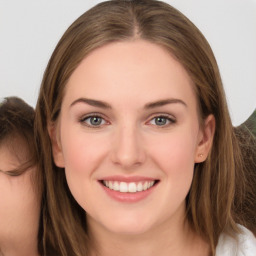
{"x": 90, "y": 116}
{"x": 169, "y": 120}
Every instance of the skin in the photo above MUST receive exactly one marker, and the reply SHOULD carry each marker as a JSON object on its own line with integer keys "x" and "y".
{"x": 128, "y": 77}
{"x": 19, "y": 207}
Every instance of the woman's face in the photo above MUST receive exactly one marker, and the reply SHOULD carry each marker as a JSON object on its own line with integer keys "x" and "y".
{"x": 128, "y": 136}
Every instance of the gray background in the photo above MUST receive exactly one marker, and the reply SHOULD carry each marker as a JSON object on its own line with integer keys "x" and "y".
{"x": 30, "y": 29}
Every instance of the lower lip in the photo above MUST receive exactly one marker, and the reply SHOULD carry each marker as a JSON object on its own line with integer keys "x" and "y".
{"x": 128, "y": 197}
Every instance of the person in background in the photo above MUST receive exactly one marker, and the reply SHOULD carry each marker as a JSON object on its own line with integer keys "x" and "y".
{"x": 20, "y": 191}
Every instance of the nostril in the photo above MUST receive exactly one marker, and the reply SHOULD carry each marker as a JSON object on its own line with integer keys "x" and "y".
{"x": 126, "y": 149}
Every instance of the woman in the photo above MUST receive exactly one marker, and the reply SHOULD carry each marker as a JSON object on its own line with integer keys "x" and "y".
{"x": 19, "y": 180}
{"x": 137, "y": 146}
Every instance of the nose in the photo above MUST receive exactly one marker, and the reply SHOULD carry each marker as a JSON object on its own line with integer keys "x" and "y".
{"x": 127, "y": 148}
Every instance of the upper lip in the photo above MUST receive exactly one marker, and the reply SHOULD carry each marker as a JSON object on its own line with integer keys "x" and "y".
{"x": 127, "y": 178}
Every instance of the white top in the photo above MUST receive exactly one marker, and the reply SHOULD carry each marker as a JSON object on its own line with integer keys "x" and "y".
{"x": 243, "y": 245}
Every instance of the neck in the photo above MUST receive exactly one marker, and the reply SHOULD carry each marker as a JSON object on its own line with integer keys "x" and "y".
{"x": 168, "y": 238}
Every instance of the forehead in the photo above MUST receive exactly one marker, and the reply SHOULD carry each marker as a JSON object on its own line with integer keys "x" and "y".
{"x": 131, "y": 68}
{"x": 14, "y": 146}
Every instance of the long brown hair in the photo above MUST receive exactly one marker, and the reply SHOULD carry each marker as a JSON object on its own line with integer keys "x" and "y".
{"x": 210, "y": 202}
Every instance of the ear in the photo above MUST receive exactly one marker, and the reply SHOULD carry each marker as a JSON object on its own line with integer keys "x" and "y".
{"x": 53, "y": 130}
{"x": 205, "y": 139}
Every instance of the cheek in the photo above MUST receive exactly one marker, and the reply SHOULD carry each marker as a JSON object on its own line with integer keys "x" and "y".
{"x": 18, "y": 192}
{"x": 178, "y": 154}
{"x": 175, "y": 149}
{"x": 82, "y": 152}
{"x": 174, "y": 154}
{"x": 20, "y": 205}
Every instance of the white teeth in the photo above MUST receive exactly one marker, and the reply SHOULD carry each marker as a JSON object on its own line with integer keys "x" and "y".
{"x": 110, "y": 185}
{"x": 139, "y": 187}
{"x": 131, "y": 187}
{"x": 116, "y": 186}
{"x": 123, "y": 187}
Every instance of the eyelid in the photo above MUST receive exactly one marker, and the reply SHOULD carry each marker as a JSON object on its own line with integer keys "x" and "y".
{"x": 12, "y": 173}
{"x": 93, "y": 114}
{"x": 171, "y": 118}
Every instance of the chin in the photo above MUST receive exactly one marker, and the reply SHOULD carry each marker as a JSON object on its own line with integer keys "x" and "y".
{"x": 129, "y": 226}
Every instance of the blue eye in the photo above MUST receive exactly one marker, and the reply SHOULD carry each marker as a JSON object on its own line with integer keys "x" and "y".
{"x": 93, "y": 121}
{"x": 161, "y": 121}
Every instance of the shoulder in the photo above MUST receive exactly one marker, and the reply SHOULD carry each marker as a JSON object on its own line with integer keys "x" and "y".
{"x": 244, "y": 244}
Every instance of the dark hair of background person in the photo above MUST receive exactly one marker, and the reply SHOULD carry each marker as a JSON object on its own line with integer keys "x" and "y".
{"x": 218, "y": 182}
{"x": 246, "y": 135}
{"x": 17, "y": 121}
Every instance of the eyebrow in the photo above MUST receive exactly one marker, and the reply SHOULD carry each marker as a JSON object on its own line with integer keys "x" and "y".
{"x": 94, "y": 103}
{"x": 161, "y": 103}
{"x": 102, "y": 104}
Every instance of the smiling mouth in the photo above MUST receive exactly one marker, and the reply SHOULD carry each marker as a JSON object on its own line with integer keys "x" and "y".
{"x": 129, "y": 187}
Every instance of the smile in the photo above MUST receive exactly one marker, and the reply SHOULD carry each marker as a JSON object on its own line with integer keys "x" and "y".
{"x": 128, "y": 187}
